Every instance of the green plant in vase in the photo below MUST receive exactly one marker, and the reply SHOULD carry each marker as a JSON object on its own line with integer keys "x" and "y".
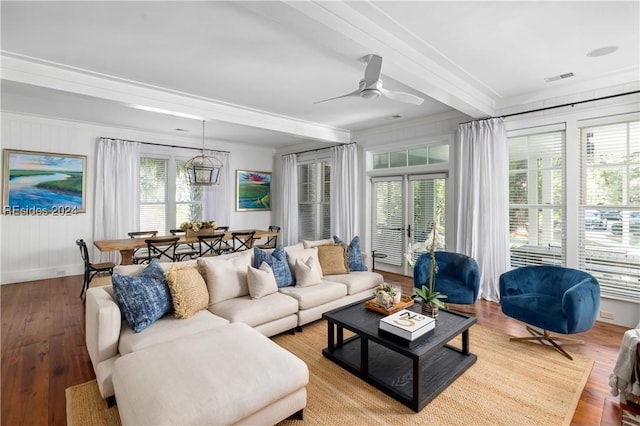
{"x": 431, "y": 299}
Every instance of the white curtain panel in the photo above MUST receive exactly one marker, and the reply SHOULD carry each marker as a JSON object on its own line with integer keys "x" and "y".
{"x": 289, "y": 200}
{"x": 218, "y": 201}
{"x": 482, "y": 200}
{"x": 117, "y": 192}
{"x": 344, "y": 191}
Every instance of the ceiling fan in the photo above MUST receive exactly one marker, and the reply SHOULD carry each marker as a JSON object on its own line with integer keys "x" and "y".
{"x": 370, "y": 87}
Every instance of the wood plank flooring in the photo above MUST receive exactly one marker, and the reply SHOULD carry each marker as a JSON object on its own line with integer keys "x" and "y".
{"x": 43, "y": 350}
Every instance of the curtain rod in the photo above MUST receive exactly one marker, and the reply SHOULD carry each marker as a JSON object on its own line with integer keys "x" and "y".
{"x": 320, "y": 149}
{"x": 571, "y": 104}
{"x": 168, "y": 146}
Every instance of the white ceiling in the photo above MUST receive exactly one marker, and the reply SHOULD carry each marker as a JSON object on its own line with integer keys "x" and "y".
{"x": 254, "y": 69}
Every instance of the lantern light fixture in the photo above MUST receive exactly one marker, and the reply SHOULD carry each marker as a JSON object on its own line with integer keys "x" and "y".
{"x": 203, "y": 169}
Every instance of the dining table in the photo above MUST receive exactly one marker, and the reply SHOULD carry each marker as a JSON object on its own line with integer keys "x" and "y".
{"x": 126, "y": 246}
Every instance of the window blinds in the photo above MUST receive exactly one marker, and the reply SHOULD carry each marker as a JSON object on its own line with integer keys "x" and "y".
{"x": 153, "y": 195}
{"x": 388, "y": 219}
{"x": 536, "y": 198}
{"x": 314, "y": 212}
{"x": 610, "y": 207}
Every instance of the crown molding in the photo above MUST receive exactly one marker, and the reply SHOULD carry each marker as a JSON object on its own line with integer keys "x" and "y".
{"x": 51, "y": 75}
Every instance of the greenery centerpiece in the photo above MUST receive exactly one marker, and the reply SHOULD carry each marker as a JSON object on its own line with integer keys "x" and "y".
{"x": 431, "y": 299}
{"x": 203, "y": 227}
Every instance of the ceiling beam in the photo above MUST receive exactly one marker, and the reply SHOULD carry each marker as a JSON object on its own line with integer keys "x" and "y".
{"x": 35, "y": 72}
{"x": 407, "y": 59}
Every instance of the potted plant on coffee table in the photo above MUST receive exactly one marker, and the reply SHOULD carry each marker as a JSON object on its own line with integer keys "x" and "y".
{"x": 427, "y": 295}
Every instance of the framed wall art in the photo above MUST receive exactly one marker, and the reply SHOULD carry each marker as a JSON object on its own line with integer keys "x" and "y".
{"x": 43, "y": 183}
{"x": 253, "y": 190}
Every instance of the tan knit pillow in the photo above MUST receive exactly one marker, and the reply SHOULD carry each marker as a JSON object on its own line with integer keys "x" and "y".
{"x": 188, "y": 290}
{"x": 333, "y": 259}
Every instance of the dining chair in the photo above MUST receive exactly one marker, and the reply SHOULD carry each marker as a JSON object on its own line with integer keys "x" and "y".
{"x": 271, "y": 242}
{"x": 140, "y": 255}
{"x": 210, "y": 245}
{"x": 91, "y": 269}
{"x": 242, "y": 240}
{"x": 186, "y": 250}
{"x": 224, "y": 246}
{"x": 162, "y": 247}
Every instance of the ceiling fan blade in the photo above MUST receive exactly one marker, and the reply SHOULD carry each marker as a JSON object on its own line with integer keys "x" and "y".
{"x": 354, "y": 93}
{"x": 372, "y": 72}
{"x": 402, "y": 96}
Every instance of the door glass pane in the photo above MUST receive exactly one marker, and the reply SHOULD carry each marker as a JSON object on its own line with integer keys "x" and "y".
{"x": 428, "y": 207}
{"x": 388, "y": 221}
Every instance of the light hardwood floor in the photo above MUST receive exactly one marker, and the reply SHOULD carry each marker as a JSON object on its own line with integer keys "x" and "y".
{"x": 43, "y": 350}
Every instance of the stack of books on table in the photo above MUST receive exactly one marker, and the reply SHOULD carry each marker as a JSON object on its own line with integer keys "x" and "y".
{"x": 407, "y": 327}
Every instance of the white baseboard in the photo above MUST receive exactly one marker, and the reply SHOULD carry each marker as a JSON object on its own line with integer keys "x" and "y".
{"x": 11, "y": 277}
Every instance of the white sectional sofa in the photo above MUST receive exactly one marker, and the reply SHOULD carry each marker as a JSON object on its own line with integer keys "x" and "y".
{"x": 110, "y": 339}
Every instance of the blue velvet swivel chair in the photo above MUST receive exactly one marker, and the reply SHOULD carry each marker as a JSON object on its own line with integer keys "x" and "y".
{"x": 552, "y": 298}
{"x": 457, "y": 276}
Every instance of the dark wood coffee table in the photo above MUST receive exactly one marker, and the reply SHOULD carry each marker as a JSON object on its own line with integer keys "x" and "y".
{"x": 413, "y": 376}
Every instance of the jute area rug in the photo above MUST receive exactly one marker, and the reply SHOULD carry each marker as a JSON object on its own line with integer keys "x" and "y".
{"x": 512, "y": 383}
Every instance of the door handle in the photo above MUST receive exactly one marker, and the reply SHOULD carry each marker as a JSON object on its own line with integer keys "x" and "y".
{"x": 408, "y": 231}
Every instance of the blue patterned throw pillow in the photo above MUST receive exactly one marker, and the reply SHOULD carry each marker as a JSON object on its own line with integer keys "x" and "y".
{"x": 278, "y": 262}
{"x": 354, "y": 254}
{"x": 143, "y": 299}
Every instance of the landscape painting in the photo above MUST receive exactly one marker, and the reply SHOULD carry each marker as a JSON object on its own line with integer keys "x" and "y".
{"x": 253, "y": 190}
{"x": 42, "y": 183}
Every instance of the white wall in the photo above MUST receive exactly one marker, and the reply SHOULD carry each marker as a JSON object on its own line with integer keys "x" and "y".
{"x": 38, "y": 247}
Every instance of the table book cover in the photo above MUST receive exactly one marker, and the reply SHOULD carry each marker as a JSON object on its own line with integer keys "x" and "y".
{"x": 407, "y": 324}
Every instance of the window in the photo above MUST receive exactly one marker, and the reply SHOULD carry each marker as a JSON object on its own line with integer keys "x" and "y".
{"x": 411, "y": 157}
{"x": 610, "y": 207}
{"x": 189, "y": 198}
{"x": 153, "y": 195}
{"x": 162, "y": 180}
{"x": 314, "y": 211}
{"x": 536, "y": 198}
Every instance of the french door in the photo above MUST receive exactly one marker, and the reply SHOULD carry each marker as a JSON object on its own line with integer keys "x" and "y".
{"x": 404, "y": 211}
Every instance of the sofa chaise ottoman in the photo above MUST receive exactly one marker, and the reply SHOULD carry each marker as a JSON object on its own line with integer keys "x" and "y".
{"x": 228, "y": 375}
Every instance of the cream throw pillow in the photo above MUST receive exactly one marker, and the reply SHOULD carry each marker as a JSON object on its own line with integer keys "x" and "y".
{"x": 226, "y": 276}
{"x": 307, "y": 272}
{"x": 293, "y": 254}
{"x": 261, "y": 281}
{"x": 188, "y": 290}
{"x": 333, "y": 259}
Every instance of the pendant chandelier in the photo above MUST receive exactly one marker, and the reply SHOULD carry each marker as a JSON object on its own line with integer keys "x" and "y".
{"x": 202, "y": 169}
